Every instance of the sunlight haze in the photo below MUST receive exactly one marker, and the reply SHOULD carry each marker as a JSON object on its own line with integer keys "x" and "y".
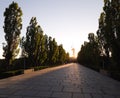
{"x": 68, "y": 21}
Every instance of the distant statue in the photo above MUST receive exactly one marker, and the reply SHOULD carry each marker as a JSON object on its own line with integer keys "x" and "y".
{"x": 73, "y": 51}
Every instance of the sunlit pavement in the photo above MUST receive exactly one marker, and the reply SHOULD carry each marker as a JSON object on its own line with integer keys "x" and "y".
{"x": 68, "y": 81}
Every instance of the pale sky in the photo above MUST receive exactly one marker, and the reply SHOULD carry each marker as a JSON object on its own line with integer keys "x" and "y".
{"x": 68, "y": 21}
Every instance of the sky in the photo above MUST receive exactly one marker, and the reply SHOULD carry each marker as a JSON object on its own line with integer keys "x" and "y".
{"x": 68, "y": 21}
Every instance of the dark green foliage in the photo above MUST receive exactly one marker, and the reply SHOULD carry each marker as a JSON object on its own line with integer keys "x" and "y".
{"x": 12, "y": 28}
{"x": 89, "y": 54}
{"x": 56, "y": 53}
{"x": 104, "y": 50}
{"x": 34, "y": 44}
{"x": 40, "y": 51}
{"x": 40, "y": 67}
{"x": 29, "y": 43}
{"x": 109, "y": 31}
{"x": 53, "y": 51}
{"x": 10, "y": 73}
{"x": 62, "y": 54}
{"x": 40, "y": 48}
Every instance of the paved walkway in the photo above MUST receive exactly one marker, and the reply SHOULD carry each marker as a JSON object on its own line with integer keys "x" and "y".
{"x": 68, "y": 81}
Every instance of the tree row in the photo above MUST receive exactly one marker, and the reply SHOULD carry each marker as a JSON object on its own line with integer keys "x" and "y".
{"x": 37, "y": 48}
{"x": 103, "y": 50}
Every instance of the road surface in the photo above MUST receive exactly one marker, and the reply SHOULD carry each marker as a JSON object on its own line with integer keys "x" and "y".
{"x": 65, "y": 81}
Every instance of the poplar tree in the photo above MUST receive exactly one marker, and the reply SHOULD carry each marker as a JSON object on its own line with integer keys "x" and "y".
{"x": 40, "y": 48}
{"x": 109, "y": 30}
{"x": 89, "y": 53}
{"x": 29, "y": 44}
{"x": 12, "y": 28}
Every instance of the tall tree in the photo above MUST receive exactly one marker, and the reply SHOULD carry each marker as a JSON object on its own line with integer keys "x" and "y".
{"x": 40, "y": 51}
{"x": 89, "y": 53}
{"x": 12, "y": 28}
{"x": 100, "y": 33}
{"x": 109, "y": 29}
{"x": 62, "y": 54}
{"x": 115, "y": 4}
{"x": 30, "y": 43}
{"x": 55, "y": 52}
{"x": 52, "y": 51}
{"x": 91, "y": 37}
{"x": 46, "y": 38}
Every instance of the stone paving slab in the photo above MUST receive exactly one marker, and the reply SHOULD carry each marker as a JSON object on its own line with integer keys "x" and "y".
{"x": 62, "y": 95}
{"x": 65, "y": 81}
{"x": 78, "y": 95}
